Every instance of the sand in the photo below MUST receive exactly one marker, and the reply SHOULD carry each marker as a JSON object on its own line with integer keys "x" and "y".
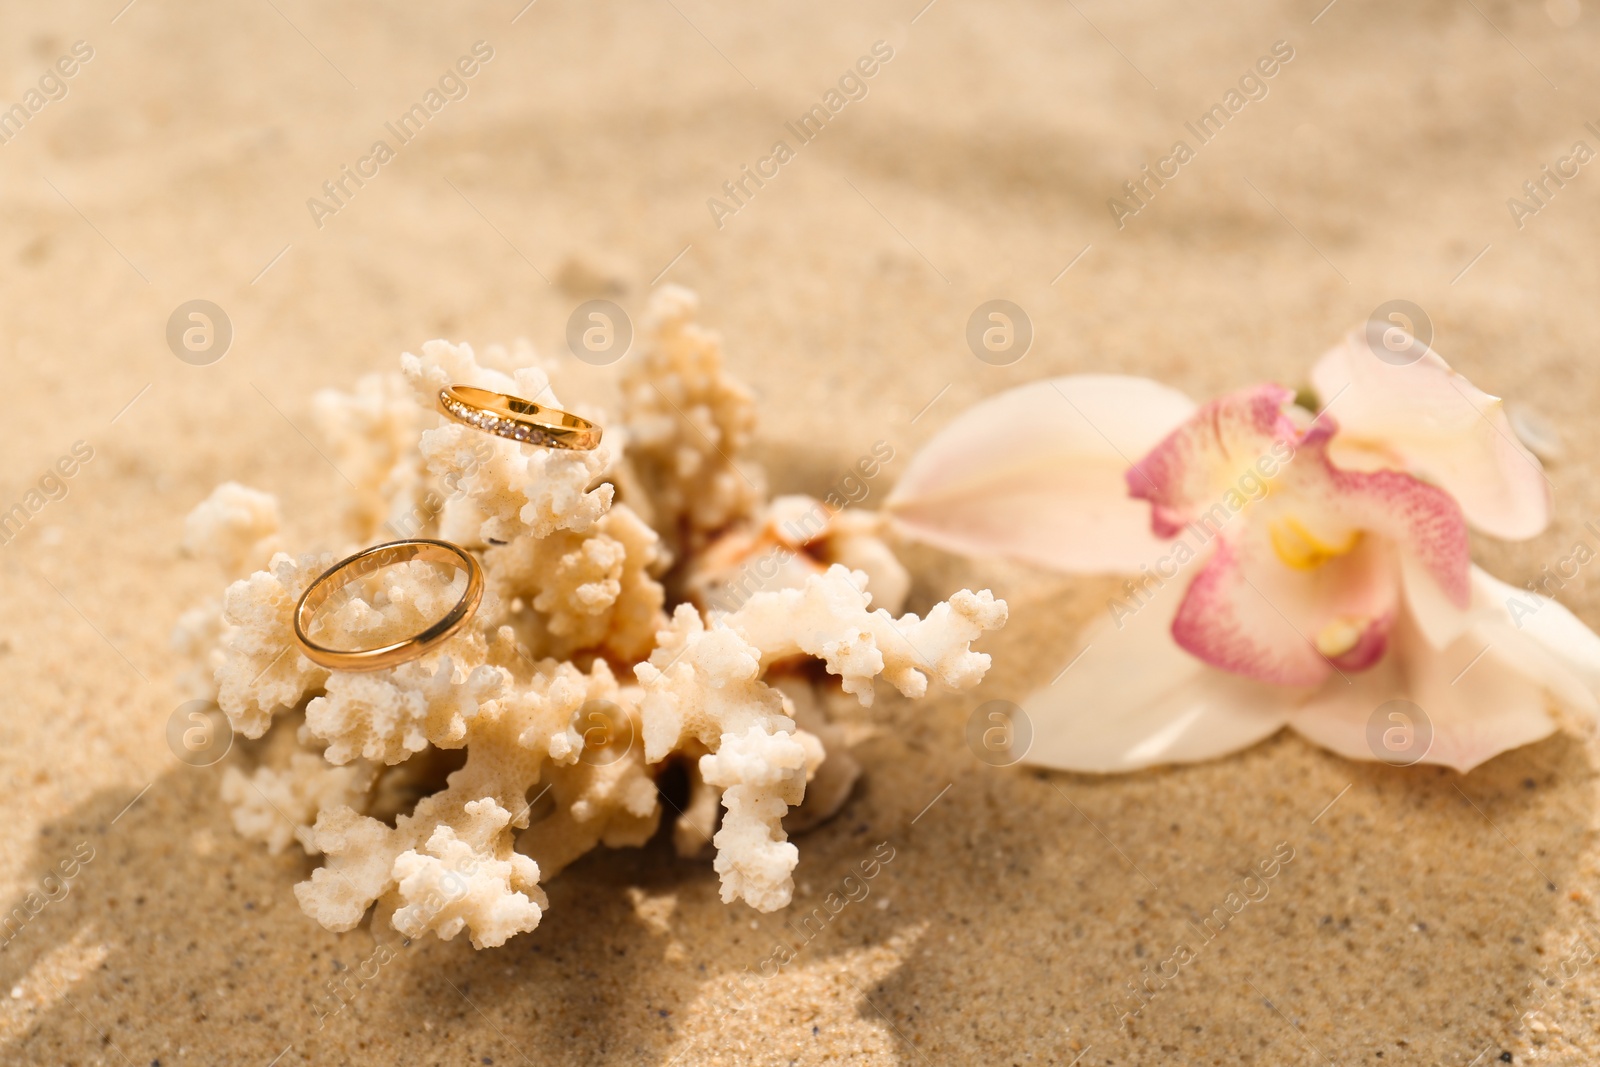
{"x": 1416, "y": 912}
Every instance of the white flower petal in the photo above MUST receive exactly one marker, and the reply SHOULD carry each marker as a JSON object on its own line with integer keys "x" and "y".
{"x": 1482, "y": 695}
{"x": 1440, "y": 427}
{"x": 1438, "y": 619}
{"x": 1546, "y": 623}
{"x": 1134, "y": 699}
{"x": 1036, "y": 474}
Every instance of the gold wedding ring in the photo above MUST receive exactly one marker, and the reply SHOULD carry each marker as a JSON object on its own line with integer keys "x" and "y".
{"x": 366, "y": 562}
{"x": 517, "y": 419}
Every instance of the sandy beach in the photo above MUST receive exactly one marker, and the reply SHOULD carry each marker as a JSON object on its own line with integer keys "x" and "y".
{"x": 1415, "y": 914}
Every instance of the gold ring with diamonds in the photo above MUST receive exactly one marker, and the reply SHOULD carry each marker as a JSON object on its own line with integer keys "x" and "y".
{"x": 367, "y": 562}
{"x": 516, "y": 419}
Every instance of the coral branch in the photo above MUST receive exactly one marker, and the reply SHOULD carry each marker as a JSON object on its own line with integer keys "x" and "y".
{"x": 444, "y": 789}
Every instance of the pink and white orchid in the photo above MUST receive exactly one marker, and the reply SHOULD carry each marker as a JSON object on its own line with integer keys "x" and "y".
{"x": 1285, "y": 567}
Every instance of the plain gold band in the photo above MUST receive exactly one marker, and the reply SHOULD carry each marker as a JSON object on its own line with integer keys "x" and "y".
{"x": 517, "y": 419}
{"x": 367, "y": 562}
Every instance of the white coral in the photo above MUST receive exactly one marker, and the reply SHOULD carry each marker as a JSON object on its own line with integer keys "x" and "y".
{"x": 372, "y": 434}
{"x": 612, "y": 803}
{"x": 589, "y": 591}
{"x": 706, "y": 684}
{"x": 829, "y": 619}
{"x": 560, "y": 755}
{"x": 689, "y": 422}
{"x": 762, "y": 774}
{"x": 279, "y": 806}
{"x": 236, "y": 527}
{"x": 457, "y": 883}
{"x": 702, "y": 684}
{"x": 855, "y": 541}
{"x": 361, "y": 853}
{"x": 261, "y": 670}
{"x": 511, "y": 743}
{"x": 390, "y": 715}
{"x": 505, "y": 489}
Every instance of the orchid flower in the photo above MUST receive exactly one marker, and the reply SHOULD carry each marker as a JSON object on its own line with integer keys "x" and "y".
{"x": 1283, "y": 568}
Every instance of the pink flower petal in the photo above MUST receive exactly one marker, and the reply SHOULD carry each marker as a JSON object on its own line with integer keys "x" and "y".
{"x": 1424, "y": 520}
{"x": 1035, "y": 473}
{"x": 1307, "y": 576}
{"x": 1370, "y": 643}
{"x": 1435, "y": 424}
{"x": 1213, "y": 454}
{"x": 1134, "y": 699}
{"x": 1249, "y": 614}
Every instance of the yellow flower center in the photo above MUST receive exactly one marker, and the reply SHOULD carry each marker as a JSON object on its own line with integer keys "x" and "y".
{"x": 1340, "y": 635}
{"x": 1299, "y": 548}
